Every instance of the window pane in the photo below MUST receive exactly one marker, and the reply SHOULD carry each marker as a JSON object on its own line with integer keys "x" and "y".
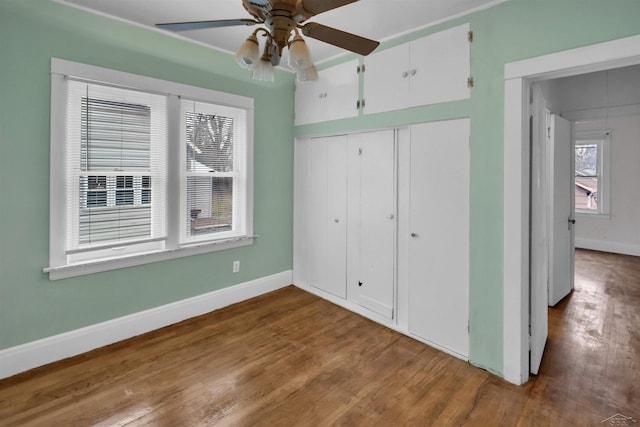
{"x": 586, "y": 177}
{"x": 101, "y": 221}
{"x": 209, "y": 205}
{"x": 93, "y": 191}
{"x": 114, "y": 135}
{"x": 114, "y": 223}
{"x": 209, "y": 143}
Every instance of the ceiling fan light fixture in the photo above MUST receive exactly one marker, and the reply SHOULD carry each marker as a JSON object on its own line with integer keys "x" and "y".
{"x": 264, "y": 71}
{"x": 307, "y": 74}
{"x": 248, "y": 54}
{"x": 299, "y": 55}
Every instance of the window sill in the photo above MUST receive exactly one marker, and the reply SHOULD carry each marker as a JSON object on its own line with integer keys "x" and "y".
{"x": 89, "y": 267}
{"x": 594, "y": 215}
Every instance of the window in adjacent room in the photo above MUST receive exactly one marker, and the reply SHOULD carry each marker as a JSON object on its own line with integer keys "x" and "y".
{"x": 591, "y": 172}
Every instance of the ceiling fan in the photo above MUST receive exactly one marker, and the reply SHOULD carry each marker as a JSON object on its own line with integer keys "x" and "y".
{"x": 284, "y": 18}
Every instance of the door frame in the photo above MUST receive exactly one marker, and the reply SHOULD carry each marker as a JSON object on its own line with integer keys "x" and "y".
{"x": 518, "y": 77}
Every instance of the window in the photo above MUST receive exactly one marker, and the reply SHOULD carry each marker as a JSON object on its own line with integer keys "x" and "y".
{"x": 122, "y": 192}
{"x": 212, "y": 175}
{"x": 591, "y": 162}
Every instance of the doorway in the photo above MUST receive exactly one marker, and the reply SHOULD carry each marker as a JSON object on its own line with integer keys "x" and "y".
{"x": 519, "y": 77}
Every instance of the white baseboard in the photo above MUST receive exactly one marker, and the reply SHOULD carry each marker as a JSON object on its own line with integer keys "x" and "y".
{"x": 37, "y": 353}
{"x": 608, "y": 246}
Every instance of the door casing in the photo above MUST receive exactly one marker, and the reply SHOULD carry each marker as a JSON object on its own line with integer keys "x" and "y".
{"x": 518, "y": 78}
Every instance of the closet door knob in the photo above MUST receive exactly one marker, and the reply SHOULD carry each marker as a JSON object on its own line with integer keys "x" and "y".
{"x": 414, "y": 235}
{"x": 391, "y": 216}
{"x": 336, "y": 220}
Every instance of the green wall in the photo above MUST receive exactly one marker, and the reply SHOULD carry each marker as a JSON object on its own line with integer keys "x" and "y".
{"x": 511, "y": 31}
{"x": 31, "y": 32}
{"x": 31, "y": 306}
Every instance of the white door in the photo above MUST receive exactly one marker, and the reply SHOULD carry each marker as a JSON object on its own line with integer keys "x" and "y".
{"x": 539, "y": 230}
{"x": 440, "y": 67}
{"x": 372, "y": 201}
{"x": 327, "y": 215}
{"x": 561, "y": 208}
{"x": 439, "y": 241}
{"x": 333, "y": 96}
{"x": 386, "y": 80}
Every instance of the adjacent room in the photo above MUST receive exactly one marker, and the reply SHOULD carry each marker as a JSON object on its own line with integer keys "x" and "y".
{"x": 302, "y": 212}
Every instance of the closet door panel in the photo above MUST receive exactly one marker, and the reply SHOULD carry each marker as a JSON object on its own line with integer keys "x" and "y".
{"x": 326, "y": 213}
{"x": 376, "y": 220}
{"x": 336, "y": 274}
{"x": 439, "y": 242}
{"x": 317, "y": 213}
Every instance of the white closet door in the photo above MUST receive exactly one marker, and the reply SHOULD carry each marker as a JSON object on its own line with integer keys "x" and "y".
{"x": 373, "y": 198}
{"x": 439, "y": 242}
{"x": 327, "y": 211}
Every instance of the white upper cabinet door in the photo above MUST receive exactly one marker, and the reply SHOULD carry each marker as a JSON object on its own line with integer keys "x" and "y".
{"x": 440, "y": 67}
{"x": 425, "y": 71}
{"x": 333, "y": 96}
{"x": 387, "y": 80}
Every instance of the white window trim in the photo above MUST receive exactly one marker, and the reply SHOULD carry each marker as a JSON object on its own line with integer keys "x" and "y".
{"x": 59, "y": 267}
{"x": 601, "y": 138}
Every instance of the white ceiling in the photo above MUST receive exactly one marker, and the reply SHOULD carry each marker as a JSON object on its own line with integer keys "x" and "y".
{"x": 375, "y": 19}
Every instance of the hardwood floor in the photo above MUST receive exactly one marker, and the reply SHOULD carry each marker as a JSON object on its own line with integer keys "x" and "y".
{"x": 289, "y": 358}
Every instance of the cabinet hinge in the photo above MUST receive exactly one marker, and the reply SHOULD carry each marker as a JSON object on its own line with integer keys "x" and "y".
{"x": 361, "y": 68}
{"x": 470, "y": 82}
{"x": 360, "y": 103}
{"x": 470, "y": 36}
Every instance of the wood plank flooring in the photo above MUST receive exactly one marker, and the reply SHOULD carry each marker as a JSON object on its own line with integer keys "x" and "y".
{"x": 289, "y": 358}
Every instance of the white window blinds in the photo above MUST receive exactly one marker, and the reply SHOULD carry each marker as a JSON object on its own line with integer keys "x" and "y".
{"x": 116, "y": 163}
{"x": 212, "y": 177}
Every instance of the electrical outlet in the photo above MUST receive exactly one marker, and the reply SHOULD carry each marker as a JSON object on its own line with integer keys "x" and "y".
{"x": 236, "y": 266}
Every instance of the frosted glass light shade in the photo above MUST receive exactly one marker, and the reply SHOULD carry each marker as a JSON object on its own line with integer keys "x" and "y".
{"x": 307, "y": 74}
{"x": 248, "y": 54}
{"x": 299, "y": 55}
{"x": 264, "y": 71}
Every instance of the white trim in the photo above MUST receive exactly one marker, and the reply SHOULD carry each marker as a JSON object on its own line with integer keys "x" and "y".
{"x": 597, "y": 57}
{"x": 608, "y": 246}
{"x": 80, "y": 269}
{"x": 602, "y": 113}
{"x": 23, "y": 357}
{"x": 110, "y": 76}
{"x": 518, "y": 76}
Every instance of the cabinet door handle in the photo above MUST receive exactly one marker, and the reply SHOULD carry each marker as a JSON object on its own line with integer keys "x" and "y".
{"x": 336, "y": 220}
{"x": 405, "y": 74}
{"x": 391, "y": 216}
{"x": 413, "y": 72}
{"x": 414, "y": 234}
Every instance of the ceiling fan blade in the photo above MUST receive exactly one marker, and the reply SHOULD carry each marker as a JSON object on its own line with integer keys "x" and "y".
{"x": 318, "y": 6}
{"x": 196, "y": 25}
{"x": 348, "y": 41}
